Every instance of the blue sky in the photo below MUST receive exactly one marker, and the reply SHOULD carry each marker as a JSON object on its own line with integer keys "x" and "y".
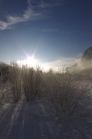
{"x": 56, "y": 31}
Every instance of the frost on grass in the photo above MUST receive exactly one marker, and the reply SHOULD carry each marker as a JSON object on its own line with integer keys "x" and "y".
{"x": 67, "y": 97}
{"x": 48, "y": 105}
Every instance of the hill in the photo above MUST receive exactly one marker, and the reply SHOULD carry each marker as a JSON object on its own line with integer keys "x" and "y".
{"x": 84, "y": 65}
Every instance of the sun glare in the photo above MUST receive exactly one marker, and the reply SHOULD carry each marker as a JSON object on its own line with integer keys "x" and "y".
{"x": 30, "y": 62}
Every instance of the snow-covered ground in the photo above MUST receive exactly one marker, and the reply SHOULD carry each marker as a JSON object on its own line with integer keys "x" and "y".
{"x": 24, "y": 120}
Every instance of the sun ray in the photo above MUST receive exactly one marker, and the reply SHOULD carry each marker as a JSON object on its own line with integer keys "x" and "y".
{"x": 24, "y": 52}
{"x": 30, "y": 61}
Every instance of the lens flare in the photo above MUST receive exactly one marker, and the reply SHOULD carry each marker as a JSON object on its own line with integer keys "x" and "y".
{"x": 30, "y": 62}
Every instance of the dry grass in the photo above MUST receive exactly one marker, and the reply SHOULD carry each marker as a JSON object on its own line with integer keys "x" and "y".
{"x": 15, "y": 81}
{"x": 4, "y": 84}
{"x": 32, "y": 81}
{"x": 64, "y": 94}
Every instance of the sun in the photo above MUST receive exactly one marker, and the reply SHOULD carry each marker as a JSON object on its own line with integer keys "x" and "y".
{"x": 30, "y": 62}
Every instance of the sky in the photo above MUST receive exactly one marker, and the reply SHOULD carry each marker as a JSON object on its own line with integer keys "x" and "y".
{"x": 55, "y": 32}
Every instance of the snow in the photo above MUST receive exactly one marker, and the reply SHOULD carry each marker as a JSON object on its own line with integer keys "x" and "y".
{"x": 25, "y": 120}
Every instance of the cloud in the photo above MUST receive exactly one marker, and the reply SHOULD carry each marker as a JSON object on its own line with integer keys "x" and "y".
{"x": 34, "y": 11}
{"x": 29, "y": 14}
{"x": 60, "y": 63}
{"x": 45, "y": 5}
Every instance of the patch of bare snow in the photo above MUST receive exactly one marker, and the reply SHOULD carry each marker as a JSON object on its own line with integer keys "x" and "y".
{"x": 24, "y": 120}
